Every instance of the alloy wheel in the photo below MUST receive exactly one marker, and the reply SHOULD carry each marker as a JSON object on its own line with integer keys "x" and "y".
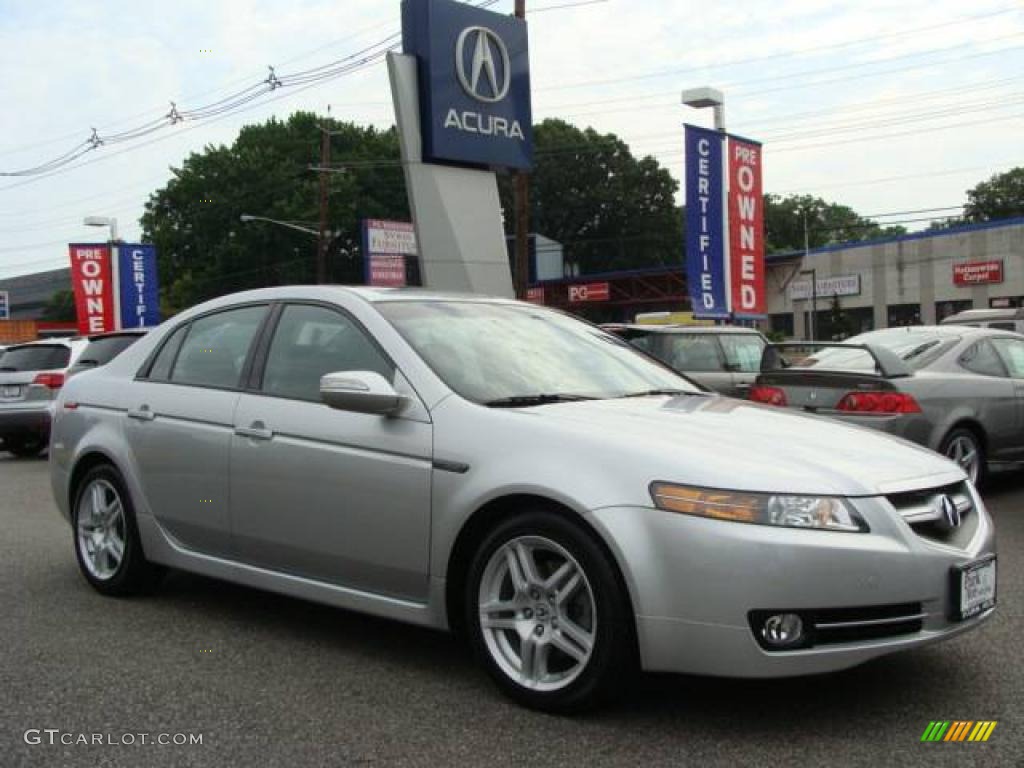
{"x": 964, "y": 451}
{"x": 537, "y": 613}
{"x": 101, "y": 529}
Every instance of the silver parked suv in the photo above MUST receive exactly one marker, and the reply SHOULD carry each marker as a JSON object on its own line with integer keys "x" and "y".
{"x": 31, "y": 375}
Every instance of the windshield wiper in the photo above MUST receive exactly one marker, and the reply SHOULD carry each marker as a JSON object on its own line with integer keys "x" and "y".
{"x": 653, "y": 392}
{"x": 522, "y": 401}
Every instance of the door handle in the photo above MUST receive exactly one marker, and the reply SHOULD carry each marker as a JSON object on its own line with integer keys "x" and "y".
{"x": 256, "y": 431}
{"x": 142, "y": 414}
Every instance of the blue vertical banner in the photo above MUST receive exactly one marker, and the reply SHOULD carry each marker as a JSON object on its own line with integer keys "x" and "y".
{"x": 138, "y": 283}
{"x": 706, "y": 265}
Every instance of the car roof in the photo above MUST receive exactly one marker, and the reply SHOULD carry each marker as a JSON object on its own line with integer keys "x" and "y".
{"x": 966, "y": 331}
{"x": 59, "y": 340}
{"x": 981, "y": 315}
{"x": 675, "y": 328}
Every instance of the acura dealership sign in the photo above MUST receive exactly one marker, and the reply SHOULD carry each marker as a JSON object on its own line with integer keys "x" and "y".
{"x": 474, "y": 83}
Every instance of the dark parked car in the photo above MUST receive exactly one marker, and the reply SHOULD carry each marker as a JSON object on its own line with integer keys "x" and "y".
{"x": 955, "y": 389}
{"x": 104, "y": 347}
{"x": 723, "y": 358}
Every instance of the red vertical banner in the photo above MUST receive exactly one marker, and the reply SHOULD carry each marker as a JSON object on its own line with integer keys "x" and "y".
{"x": 746, "y": 227}
{"x": 92, "y": 279}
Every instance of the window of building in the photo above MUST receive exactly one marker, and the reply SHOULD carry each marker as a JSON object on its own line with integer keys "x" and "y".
{"x": 904, "y": 314}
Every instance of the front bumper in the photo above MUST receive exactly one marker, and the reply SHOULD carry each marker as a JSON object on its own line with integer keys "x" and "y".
{"x": 694, "y": 583}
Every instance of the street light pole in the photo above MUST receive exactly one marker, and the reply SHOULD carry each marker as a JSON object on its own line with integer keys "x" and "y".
{"x": 103, "y": 221}
{"x": 321, "y": 246}
{"x": 521, "y": 277}
{"x": 814, "y": 279}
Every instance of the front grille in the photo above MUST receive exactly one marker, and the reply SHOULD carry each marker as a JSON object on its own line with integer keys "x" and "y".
{"x": 922, "y": 510}
{"x": 829, "y": 626}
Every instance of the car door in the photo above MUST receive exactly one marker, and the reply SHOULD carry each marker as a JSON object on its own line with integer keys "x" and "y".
{"x": 698, "y": 356}
{"x": 992, "y": 395}
{"x": 332, "y": 495}
{"x": 1011, "y": 351}
{"x": 743, "y": 359}
{"x": 179, "y": 424}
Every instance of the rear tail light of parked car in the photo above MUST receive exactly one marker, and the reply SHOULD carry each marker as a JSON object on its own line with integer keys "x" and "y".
{"x": 768, "y": 395}
{"x": 878, "y": 402}
{"x": 49, "y": 380}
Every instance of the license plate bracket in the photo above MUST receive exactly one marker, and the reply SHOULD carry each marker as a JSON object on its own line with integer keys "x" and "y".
{"x": 972, "y": 588}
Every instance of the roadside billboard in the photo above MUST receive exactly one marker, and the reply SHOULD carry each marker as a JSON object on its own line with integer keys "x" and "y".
{"x": 92, "y": 280}
{"x": 978, "y": 272}
{"x": 387, "y": 248}
{"x": 706, "y": 267}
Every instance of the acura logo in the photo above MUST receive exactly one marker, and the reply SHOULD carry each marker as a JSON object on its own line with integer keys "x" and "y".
{"x": 950, "y": 512}
{"x": 479, "y": 64}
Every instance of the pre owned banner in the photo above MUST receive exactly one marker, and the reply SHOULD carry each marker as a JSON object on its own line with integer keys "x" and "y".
{"x": 92, "y": 282}
{"x": 706, "y": 267}
{"x": 746, "y": 228}
{"x": 140, "y": 292}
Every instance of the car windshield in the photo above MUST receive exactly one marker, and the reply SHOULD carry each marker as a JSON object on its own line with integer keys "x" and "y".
{"x": 37, "y": 357}
{"x": 490, "y": 352}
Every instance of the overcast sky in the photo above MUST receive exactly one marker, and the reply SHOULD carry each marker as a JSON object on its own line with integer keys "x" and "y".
{"x": 885, "y": 106}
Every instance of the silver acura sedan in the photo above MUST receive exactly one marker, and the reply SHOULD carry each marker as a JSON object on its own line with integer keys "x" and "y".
{"x": 572, "y": 507}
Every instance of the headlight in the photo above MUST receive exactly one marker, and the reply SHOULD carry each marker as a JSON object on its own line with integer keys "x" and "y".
{"x": 826, "y": 513}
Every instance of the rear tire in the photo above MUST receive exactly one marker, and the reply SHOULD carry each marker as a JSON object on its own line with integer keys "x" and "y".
{"x": 547, "y": 616}
{"x": 106, "y": 537}
{"x": 963, "y": 446}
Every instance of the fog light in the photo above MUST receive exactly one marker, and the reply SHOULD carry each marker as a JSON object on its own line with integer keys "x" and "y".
{"x": 782, "y": 629}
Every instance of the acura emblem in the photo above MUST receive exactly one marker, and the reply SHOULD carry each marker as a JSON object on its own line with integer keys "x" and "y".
{"x": 486, "y": 44}
{"x": 950, "y": 512}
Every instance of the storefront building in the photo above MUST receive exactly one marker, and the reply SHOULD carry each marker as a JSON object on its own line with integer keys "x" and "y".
{"x": 913, "y": 279}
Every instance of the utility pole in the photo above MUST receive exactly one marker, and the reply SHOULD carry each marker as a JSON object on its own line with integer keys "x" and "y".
{"x": 521, "y": 277}
{"x": 325, "y": 162}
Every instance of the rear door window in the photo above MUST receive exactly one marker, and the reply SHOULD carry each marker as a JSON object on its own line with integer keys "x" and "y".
{"x": 1012, "y": 353}
{"x": 38, "y": 357}
{"x": 982, "y": 358}
{"x": 743, "y": 351}
{"x": 215, "y": 349}
{"x": 692, "y": 352}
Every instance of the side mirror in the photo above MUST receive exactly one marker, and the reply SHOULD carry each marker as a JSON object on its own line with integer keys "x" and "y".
{"x": 361, "y": 392}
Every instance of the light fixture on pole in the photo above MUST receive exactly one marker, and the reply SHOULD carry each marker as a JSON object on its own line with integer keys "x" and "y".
{"x": 103, "y": 221}
{"x": 704, "y": 97}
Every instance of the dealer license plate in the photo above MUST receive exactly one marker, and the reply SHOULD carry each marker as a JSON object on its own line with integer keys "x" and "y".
{"x": 974, "y": 588}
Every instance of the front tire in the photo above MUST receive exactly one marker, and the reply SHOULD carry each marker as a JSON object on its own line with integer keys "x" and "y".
{"x": 106, "y": 538}
{"x": 963, "y": 446}
{"x": 547, "y": 615}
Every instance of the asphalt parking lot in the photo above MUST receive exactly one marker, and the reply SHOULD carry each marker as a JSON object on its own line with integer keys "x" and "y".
{"x": 269, "y": 680}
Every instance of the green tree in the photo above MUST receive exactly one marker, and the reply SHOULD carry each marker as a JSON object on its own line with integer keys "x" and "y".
{"x": 609, "y": 209}
{"x": 61, "y": 308}
{"x": 205, "y": 251}
{"x": 827, "y": 223}
{"x": 1001, "y": 197}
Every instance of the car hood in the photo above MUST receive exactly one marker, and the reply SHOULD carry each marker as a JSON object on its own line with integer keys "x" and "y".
{"x": 721, "y": 442}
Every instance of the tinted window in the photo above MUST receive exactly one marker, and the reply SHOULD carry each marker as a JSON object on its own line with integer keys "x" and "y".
{"x": 692, "y": 352}
{"x": 1012, "y": 352}
{"x": 215, "y": 348}
{"x": 743, "y": 352}
{"x": 102, "y": 351}
{"x": 38, "y": 357}
{"x": 312, "y": 341}
{"x": 161, "y": 370}
{"x": 982, "y": 358}
{"x": 1003, "y": 326}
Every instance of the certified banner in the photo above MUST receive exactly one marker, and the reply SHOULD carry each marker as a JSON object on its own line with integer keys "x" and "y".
{"x": 140, "y": 291}
{"x": 746, "y": 228}
{"x": 706, "y": 267}
{"x": 93, "y": 285}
